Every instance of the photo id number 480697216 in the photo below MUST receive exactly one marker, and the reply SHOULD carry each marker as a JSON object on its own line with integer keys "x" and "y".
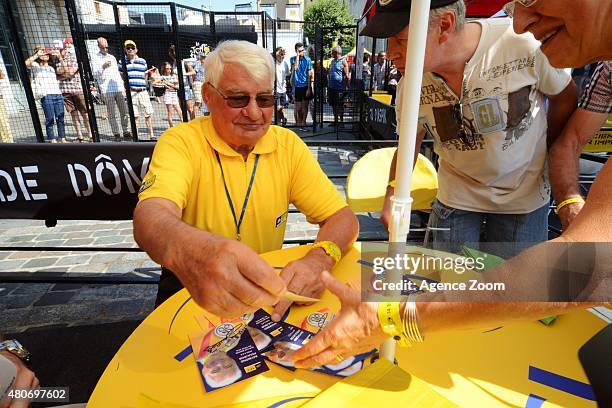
{"x": 42, "y": 394}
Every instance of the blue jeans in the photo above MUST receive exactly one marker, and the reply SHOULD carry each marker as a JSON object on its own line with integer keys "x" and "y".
{"x": 503, "y": 235}
{"x": 53, "y": 106}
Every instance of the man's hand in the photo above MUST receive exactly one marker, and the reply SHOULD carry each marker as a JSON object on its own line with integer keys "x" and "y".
{"x": 106, "y": 65}
{"x": 568, "y": 213}
{"x": 353, "y": 331}
{"x": 303, "y": 277}
{"x": 227, "y": 278}
{"x": 25, "y": 380}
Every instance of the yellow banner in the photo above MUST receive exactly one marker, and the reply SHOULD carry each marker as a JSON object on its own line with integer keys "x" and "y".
{"x": 601, "y": 142}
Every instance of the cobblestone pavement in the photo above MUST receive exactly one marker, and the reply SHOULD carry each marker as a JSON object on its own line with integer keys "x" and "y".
{"x": 29, "y": 305}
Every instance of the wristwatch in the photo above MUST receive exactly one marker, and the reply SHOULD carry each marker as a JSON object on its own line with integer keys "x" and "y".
{"x": 14, "y": 347}
{"x": 330, "y": 249}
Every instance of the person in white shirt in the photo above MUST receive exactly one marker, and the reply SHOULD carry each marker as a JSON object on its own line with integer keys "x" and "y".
{"x": 112, "y": 90}
{"x": 282, "y": 72}
{"x": 46, "y": 87}
{"x": 492, "y": 115}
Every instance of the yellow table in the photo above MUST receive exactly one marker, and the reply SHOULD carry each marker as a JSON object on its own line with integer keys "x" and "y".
{"x": 475, "y": 368}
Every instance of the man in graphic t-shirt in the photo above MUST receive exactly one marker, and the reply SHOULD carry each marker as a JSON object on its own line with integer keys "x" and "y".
{"x": 483, "y": 101}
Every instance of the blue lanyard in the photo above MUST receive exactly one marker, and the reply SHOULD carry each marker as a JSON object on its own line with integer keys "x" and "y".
{"x": 238, "y": 222}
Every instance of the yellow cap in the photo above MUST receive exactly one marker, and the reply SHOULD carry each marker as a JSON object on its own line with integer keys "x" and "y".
{"x": 129, "y": 42}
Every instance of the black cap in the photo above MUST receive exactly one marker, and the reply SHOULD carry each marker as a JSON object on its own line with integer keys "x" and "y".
{"x": 391, "y": 16}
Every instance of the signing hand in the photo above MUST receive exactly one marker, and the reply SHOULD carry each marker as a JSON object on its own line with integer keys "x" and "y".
{"x": 303, "y": 277}
{"x": 353, "y": 331}
{"x": 228, "y": 278}
{"x": 25, "y": 380}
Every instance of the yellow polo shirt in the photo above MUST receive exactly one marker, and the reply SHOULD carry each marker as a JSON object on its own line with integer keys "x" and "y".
{"x": 184, "y": 170}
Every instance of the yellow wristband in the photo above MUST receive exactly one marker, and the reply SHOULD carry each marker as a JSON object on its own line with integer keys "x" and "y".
{"x": 330, "y": 248}
{"x": 392, "y": 184}
{"x": 567, "y": 202}
{"x": 391, "y": 322}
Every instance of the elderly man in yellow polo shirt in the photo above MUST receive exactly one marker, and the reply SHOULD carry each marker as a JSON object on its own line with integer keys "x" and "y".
{"x": 218, "y": 190}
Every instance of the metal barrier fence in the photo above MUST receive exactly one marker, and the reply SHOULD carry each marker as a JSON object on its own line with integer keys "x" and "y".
{"x": 94, "y": 83}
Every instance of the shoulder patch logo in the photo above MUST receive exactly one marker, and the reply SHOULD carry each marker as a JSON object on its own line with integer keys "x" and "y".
{"x": 146, "y": 183}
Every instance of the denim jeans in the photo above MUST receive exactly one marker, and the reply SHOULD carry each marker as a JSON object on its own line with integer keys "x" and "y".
{"x": 53, "y": 107}
{"x": 503, "y": 235}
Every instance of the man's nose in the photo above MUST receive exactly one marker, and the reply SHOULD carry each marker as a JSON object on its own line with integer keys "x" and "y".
{"x": 522, "y": 18}
{"x": 252, "y": 110}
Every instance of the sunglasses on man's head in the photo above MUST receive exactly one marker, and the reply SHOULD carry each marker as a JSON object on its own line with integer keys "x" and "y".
{"x": 240, "y": 101}
{"x": 509, "y": 7}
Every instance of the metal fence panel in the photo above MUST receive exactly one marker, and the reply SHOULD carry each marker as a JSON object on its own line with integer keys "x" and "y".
{"x": 162, "y": 32}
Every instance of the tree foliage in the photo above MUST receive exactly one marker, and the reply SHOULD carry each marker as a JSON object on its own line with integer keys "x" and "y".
{"x": 330, "y": 14}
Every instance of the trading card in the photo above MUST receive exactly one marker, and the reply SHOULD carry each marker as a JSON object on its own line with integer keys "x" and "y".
{"x": 262, "y": 328}
{"x": 316, "y": 321}
{"x": 226, "y": 354}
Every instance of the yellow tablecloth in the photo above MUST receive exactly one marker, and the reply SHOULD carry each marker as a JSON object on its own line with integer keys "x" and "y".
{"x": 474, "y": 368}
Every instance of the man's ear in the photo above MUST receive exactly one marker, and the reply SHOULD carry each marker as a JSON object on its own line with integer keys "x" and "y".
{"x": 446, "y": 25}
{"x": 205, "y": 93}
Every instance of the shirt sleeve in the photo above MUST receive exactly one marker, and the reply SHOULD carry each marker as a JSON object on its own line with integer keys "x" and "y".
{"x": 309, "y": 64}
{"x": 551, "y": 81}
{"x": 597, "y": 95}
{"x": 310, "y": 190}
{"x": 171, "y": 171}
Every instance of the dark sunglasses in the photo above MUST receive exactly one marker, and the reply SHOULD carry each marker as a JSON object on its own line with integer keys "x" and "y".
{"x": 466, "y": 135}
{"x": 240, "y": 101}
{"x": 129, "y": 47}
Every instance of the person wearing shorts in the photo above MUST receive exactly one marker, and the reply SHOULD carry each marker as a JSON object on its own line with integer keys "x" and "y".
{"x": 302, "y": 75}
{"x": 72, "y": 90}
{"x": 170, "y": 81}
{"x": 137, "y": 77}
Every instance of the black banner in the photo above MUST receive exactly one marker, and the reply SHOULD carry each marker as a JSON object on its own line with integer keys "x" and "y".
{"x": 381, "y": 120}
{"x": 71, "y": 181}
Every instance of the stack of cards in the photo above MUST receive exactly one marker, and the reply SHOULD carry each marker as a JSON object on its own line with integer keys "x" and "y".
{"x": 281, "y": 352}
{"x": 236, "y": 349}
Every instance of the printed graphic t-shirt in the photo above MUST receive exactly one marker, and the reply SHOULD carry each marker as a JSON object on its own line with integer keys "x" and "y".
{"x": 504, "y": 114}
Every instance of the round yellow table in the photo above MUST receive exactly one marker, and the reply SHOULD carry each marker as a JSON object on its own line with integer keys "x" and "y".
{"x": 523, "y": 365}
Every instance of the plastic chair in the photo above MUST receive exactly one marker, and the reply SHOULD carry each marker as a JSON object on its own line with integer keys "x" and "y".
{"x": 367, "y": 181}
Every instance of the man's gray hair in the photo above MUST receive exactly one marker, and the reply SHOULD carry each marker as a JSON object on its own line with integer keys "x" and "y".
{"x": 457, "y": 8}
{"x": 253, "y": 58}
{"x": 337, "y": 49}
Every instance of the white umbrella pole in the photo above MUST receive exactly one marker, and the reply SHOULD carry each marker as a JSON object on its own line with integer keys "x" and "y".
{"x": 411, "y": 93}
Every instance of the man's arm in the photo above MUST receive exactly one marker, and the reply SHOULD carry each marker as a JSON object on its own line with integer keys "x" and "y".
{"x": 385, "y": 216}
{"x": 347, "y": 74}
{"x": 560, "y": 108}
{"x": 564, "y": 157}
{"x": 223, "y": 276}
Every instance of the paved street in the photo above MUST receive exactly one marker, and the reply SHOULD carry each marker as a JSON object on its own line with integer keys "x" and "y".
{"x": 31, "y": 305}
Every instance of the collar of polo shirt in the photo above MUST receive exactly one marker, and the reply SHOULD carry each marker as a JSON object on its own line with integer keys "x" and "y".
{"x": 267, "y": 144}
